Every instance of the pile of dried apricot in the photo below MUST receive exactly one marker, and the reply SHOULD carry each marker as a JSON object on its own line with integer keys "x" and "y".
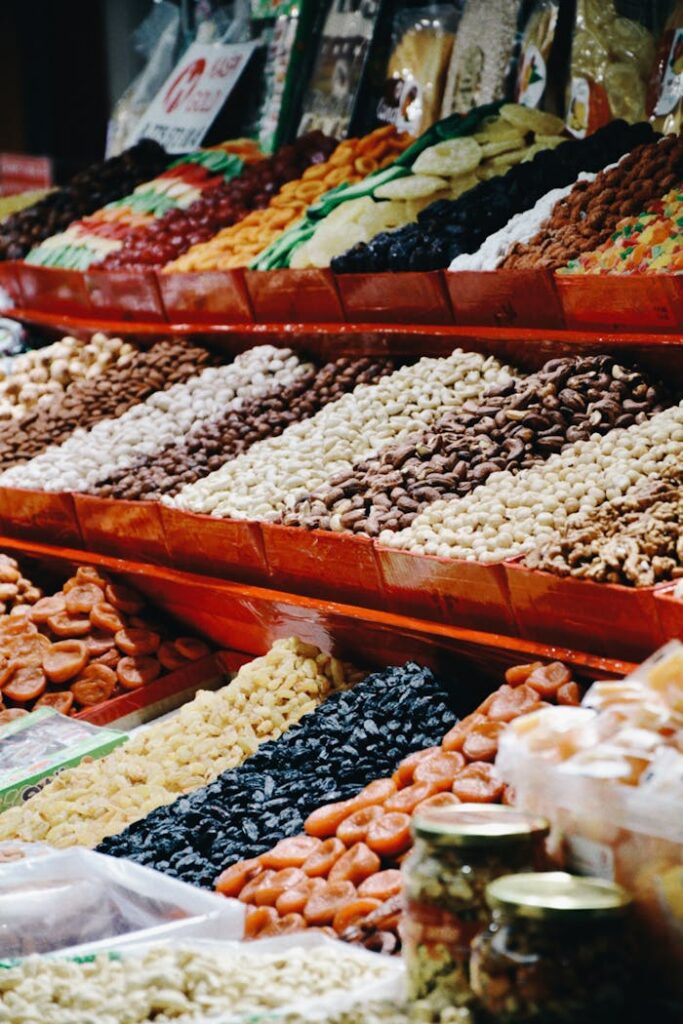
{"x": 343, "y": 871}
{"x": 82, "y": 646}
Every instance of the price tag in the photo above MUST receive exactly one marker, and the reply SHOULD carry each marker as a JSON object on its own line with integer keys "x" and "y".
{"x": 185, "y": 107}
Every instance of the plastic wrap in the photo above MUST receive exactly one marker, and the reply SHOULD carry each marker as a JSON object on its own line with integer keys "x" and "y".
{"x": 666, "y": 86}
{"x": 416, "y": 74}
{"x": 534, "y": 53}
{"x": 79, "y": 901}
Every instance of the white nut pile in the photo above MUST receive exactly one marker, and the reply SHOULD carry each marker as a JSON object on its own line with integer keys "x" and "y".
{"x": 181, "y": 984}
{"x": 36, "y": 377}
{"x": 274, "y": 474}
{"x": 89, "y": 456}
{"x": 214, "y": 732}
{"x": 520, "y": 228}
{"x": 509, "y": 514}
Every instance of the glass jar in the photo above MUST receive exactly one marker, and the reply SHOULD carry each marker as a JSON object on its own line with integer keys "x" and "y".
{"x": 458, "y": 851}
{"x": 556, "y": 951}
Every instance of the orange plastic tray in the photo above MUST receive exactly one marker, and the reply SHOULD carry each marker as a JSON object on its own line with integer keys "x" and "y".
{"x": 210, "y": 296}
{"x": 670, "y": 612}
{"x": 52, "y": 290}
{"x": 157, "y": 698}
{"x": 294, "y": 296}
{"x": 40, "y": 515}
{"x": 128, "y": 529}
{"x": 606, "y": 618}
{"x": 131, "y": 295}
{"x": 505, "y": 298}
{"x": 450, "y": 590}
{"x": 651, "y": 301}
{"x": 9, "y": 281}
{"x": 219, "y": 547}
{"x": 338, "y": 566}
{"x": 409, "y": 297}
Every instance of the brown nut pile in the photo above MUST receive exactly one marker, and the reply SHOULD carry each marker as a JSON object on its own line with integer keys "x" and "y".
{"x": 84, "y": 403}
{"x": 589, "y": 214}
{"x": 83, "y": 645}
{"x": 635, "y": 540}
{"x": 15, "y": 590}
{"x": 513, "y": 426}
{"x": 209, "y": 445}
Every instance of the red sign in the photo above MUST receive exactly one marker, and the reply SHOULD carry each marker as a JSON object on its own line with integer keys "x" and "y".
{"x": 21, "y": 173}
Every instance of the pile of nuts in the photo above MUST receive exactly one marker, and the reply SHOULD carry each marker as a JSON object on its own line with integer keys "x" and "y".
{"x": 166, "y": 983}
{"x": 510, "y": 514}
{"x": 592, "y": 210}
{"x": 276, "y": 473}
{"x": 41, "y": 375}
{"x": 513, "y": 426}
{"x": 208, "y": 445}
{"x": 635, "y": 540}
{"x": 15, "y": 590}
{"x": 135, "y": 376}
{"x": 213, "y": 732}
{"x": 79, "y": 647}
{"x": 146, "y": 428}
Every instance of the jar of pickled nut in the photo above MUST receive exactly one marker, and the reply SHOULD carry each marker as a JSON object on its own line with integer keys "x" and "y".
{"x": 458, "y": 851}
{"x": 556, "y": 951}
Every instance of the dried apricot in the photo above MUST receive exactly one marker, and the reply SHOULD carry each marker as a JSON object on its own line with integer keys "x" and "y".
{"x": 355, "y": 865}
{"x": 123, "y": 598}
{"x": 99, "y": 643}
{"x": 26, "y": 684}
{"x": 81, "y": 598}
{"x": 110, "y": 658}
{"x": 106, "y": 617}
{"x": 322, "y": 860}
{"x": 192, "y": 648}
{"x": 374, "y": 793}
{"x": 63, "y": 701}
{"x": 231, "y": 881}
{"x": 135, "y": 642}
{"x": 438, "y": 800}
{"x": 284, "y": 926}
{"x": 267, "y": 893}
{"x": 482, "y": 742}
{"x": 46, "y": 607}
{"x": 91, "y": 691}
{"x": 9, "y": 715}
{"x": 293, "y": 901}
{"x": 170, "y": 657}
{"x": 455, "y": 738}
{"x": 65, "y": 625}
{"x": 134, "y": 672}
{"x": 259, "y": 919}
{"x": 519, "y": 674}
{"x": 64, "y": 660}
{"x": 403, "y": 776}
{"x": 390, "y": 835}
{"x": 406, "y": 800}
{"x": 509, "y": 703}
{"x": 382, "y": 885}
{"x": 248, "y": 891}
{"x": 355, "y": 828}
{"x": 547, "y": 679}
{"x": 440, "y": 769}
{"x": 291, "y": 853}
{"x": 325, "y": 821}
{"x": 569, "y": 693}
{"x": 354, "y": 912}
{"x": 89, "y": 574}
{"x": 323, "y": 904}
{"x": 478, "y": 784}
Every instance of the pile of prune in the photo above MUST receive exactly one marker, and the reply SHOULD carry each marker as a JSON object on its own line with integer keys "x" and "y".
{"x": 92, "y": 188}
{"x": 450, "y": 227}
{"x": 354, "y": 737}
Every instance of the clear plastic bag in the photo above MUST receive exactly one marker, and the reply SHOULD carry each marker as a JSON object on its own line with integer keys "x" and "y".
{"x": 79, "y": 901}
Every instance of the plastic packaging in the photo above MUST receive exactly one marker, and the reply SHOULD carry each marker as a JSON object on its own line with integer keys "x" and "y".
{"x": 416, "y": 74}
{"x": 80, "y": 901}
{"x": 535, "y": 49}
{"x": 611, "y": 62}
{"x": 339, "y": 68}
{"x": 666, "y": 86}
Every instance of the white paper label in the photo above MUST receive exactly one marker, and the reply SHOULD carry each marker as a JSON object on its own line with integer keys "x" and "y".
{"x": 588, "y": 857}
{"x": 185, "y": 107}
{"x": 672, "y": 82}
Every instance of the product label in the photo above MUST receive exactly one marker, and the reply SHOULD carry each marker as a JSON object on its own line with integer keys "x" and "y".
{"x": 672, "y": 81}
{"x": 188, "y": 102}
{"x": 588, "y": 857}
{"x": 401, "y": 104}
{"x": 533, "y": 76}
{"x": 579, "y": 107}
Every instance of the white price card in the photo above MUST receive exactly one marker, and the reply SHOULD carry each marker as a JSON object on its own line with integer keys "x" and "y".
{"x": 188, "y": 102}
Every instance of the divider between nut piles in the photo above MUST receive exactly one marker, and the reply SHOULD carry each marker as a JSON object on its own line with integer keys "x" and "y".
{"x": 174, "y": 757}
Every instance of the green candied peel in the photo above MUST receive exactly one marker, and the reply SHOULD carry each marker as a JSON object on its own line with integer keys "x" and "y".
{"x": 85, "y": 958}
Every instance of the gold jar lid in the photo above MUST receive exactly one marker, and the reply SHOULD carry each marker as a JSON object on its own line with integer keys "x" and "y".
{"x": 555, "y": 894}
{"x": 477, "y": 825}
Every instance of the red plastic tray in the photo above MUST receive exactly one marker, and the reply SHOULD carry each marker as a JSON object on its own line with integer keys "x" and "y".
{"x": 52, "y": 290}
{"x": 294, "y": 296}
{"x": 336, "y": 566}
{"x": 505, "y": 298}
{"x": 210, "y": 296}
{"x": 9, "y": 281}
{"x": 40, "y": 515}
{"x": 650, "y": 301}
{"x": 670, "y": 611}
{"x": 450, "y": 590}
{"x": 129, "y": 295}
{"x": 159, "y": 697}
{"x": 410, "y": 297}
{"x": 604, "y": 618}
{"x": 229, "y": 548}
{"x": 127, "y": 529}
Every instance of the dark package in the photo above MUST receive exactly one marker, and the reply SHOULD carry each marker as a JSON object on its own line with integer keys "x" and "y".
{"x": 544, "y": 50}
{"x": 331, "y": 99}
{"x": 422, "y": 42}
